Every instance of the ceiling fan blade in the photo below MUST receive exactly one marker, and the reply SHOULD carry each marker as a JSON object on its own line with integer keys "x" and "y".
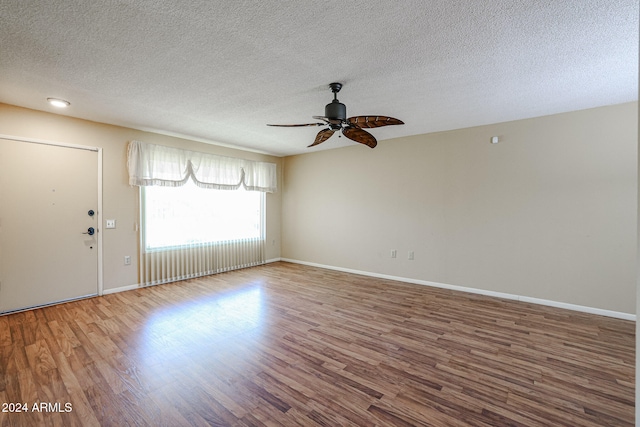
{"x": 322, "y": 136}
{"x": 373, "y": 121}
{"x": 359, "y": 135}
{"x": 306, "y": 124}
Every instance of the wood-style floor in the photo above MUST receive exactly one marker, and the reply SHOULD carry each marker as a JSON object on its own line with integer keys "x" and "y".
{"x": 290, "y": 345}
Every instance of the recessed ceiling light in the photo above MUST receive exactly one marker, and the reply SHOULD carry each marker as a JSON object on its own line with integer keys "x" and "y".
{"x": 60, "y": 103}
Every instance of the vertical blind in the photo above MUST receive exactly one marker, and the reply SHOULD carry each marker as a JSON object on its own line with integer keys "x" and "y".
{"x": 156, "y": 165}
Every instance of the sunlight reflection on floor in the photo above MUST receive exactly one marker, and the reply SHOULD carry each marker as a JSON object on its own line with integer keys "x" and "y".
{"x": 199, "y": 326}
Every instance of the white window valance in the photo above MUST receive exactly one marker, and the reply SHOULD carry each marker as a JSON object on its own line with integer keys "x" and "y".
{"x": 151, "y": 164}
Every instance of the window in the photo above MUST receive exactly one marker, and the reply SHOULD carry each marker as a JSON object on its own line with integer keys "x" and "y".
{"x": 189, "y": 215}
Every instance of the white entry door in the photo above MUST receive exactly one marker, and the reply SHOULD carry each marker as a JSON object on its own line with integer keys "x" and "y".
{"x": 48, "y": 209}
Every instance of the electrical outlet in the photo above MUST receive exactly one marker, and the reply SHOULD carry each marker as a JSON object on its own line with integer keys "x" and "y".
{"x": 394, "y": 253}
{"x": 410, "y": 255}
{"x": 111, "y": 223}
{"x": 127, "y": 260}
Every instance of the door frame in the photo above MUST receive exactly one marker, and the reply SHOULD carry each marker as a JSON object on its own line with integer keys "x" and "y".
{"x": 99, "y": 208}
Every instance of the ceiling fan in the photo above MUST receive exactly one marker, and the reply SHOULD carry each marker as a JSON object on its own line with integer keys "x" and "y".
{"x": 335, "y": 116}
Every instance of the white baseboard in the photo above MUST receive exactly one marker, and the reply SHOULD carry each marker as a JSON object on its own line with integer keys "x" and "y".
{"x": 531, "y": 300}
{"x": 574, "y": 307}
{"x": 120, "y": 289}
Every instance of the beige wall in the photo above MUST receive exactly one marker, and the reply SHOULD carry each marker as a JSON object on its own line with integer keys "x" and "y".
{"x": 120, "y": 201}
{"x": 549, "y": 212}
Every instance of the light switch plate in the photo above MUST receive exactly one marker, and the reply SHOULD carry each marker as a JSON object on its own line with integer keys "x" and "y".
{"x": 111, "y": 223}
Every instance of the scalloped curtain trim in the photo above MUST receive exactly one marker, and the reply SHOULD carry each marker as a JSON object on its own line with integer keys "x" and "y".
{"x": 159, "y": 165}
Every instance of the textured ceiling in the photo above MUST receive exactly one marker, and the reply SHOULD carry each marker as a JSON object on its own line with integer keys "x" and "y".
{"x": 219, "y": 71}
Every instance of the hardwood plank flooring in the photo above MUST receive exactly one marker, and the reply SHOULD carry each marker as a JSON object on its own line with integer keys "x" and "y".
{"x": 291, "y": 345}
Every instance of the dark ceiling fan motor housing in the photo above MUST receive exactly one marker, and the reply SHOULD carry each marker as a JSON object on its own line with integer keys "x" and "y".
{"x": 335, "y": 110}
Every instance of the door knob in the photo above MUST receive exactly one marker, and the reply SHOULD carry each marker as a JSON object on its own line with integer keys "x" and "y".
{"x": 90, "y": 231}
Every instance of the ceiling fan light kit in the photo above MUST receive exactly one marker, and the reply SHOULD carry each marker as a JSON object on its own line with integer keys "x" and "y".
{"x": 335, "y": 116}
